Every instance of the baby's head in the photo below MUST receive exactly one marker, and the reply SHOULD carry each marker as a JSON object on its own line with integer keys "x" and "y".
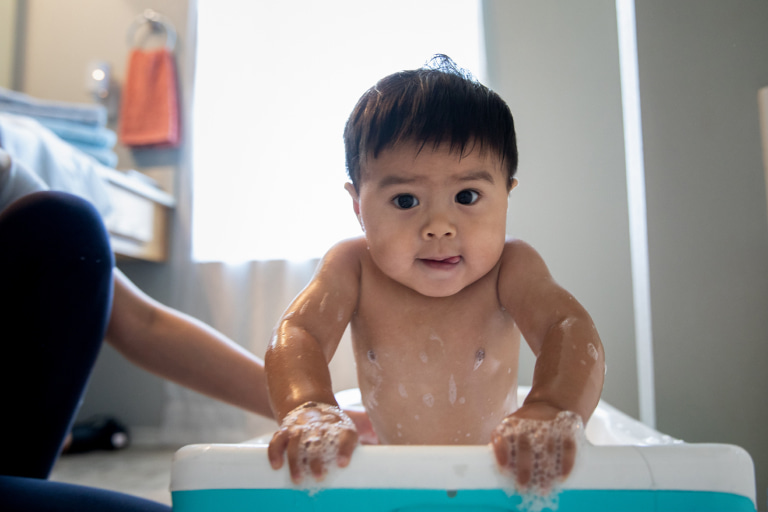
{"x": 436, "y": 104}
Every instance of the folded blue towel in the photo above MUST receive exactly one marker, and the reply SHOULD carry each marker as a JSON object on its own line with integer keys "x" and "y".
{"x": 105, "y": 156}
{"x": 78, "y": 133}
{"x": 19, "y": 103}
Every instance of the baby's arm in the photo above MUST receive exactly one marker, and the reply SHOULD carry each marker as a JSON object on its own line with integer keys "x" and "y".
{"x": 314, "y": 431}
{"x": 567, "y": 378}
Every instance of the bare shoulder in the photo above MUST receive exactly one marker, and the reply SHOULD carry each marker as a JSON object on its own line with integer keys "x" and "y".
{"x": 520, "y": 256}
{"x": 345, "y": 256}
{"x": 522, "y": 271}
{"x": 335, "y": 287}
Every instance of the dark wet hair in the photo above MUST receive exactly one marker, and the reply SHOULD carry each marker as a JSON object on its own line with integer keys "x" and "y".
{"x": 437, "y": 103}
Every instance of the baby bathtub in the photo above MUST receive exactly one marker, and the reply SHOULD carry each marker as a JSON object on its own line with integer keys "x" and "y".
{"x": 627, "y": 467}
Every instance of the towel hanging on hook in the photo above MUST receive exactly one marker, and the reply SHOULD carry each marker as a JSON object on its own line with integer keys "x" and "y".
{"x": 149, "y": 113}
{"x": 156, "y": 22}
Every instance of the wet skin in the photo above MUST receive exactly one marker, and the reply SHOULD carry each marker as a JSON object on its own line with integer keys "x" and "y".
{"x": 437, "y": 299}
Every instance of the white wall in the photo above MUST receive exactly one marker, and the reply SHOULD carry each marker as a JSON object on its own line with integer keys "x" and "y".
{"x": 701, "y": 65}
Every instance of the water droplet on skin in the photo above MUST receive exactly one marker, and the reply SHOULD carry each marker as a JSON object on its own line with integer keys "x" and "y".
{"x": 324, "y": 302}
{"x": 303, "y": 308}
{"x": 452, "y": 390}
{"x": 592, "y": 351}
{"x": 401, "y": 389}
{"x": 423, "y": 357}
{"x": 462, "y": 400}
{"x": 583, "y": 362}
{"x": 340, "y": 316}
{"x": 416, "y": 417}
{"x": 428, "y": 399}
{"x": 372, "y": 402}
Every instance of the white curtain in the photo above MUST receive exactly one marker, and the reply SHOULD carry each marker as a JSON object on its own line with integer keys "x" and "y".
{"x": 244, "y": 208}
{"x": 244, "y": 302}
{"x": 275, "y": 83}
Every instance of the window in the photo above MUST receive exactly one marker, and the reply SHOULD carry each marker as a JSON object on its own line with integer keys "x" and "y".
{"x": 275, "y": 82}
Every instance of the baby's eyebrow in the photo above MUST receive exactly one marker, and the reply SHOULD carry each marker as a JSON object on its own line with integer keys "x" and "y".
{"x": 393, "y": 179}
{"x": 478, "y": 175}
{"x": 390, "y": 180}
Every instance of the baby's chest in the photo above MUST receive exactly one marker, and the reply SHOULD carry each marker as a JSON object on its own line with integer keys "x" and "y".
{"x": 412, "y": 339}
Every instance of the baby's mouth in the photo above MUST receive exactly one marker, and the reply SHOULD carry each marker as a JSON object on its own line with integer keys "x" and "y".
{"x": 441, "y": 263}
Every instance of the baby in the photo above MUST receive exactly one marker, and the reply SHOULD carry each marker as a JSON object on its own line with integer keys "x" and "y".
{"x": 436, "y": 296}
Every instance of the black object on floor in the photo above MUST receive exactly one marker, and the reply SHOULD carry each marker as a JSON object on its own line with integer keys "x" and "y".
{"x": 99, "y": 433}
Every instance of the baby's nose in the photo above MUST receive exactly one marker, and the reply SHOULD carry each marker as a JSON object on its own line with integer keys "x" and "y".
{"x": 438, "y": 227}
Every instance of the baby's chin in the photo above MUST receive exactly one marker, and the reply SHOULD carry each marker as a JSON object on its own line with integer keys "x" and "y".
{"x": 436, "y": 289}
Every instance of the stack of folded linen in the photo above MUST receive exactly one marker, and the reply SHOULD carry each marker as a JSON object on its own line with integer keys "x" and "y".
{"x": 82, "y": 125}
{"x": 44, "y": 158}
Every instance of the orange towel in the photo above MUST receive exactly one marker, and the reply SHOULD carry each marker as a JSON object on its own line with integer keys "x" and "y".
{"x": 149, "y": 114}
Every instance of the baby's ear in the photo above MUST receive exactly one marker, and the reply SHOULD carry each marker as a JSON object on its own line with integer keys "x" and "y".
{"x": 355, "y": 197}
{"x": 355, "y": 201}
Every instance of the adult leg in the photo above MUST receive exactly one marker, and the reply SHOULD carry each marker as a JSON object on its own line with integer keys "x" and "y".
{"x": 19, "y": 494}
{"x": 56, "y": 292}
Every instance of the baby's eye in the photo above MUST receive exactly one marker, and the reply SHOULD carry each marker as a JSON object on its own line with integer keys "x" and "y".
{"x": 405, "y": 201}
{"x": 467, "y": 197}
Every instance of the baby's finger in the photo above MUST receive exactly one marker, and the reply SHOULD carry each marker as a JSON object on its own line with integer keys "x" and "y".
{"x": 347, "y": 442}
{"x": 568, "y": 456}
{"x": 500, "y": 449}
{"x": 523, "y": 460}
{"x": 276, "y": 448}
{"x": 295, "y": 466}
{"x": 317, "y": 467}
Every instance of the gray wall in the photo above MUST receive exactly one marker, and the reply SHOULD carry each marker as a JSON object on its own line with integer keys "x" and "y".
{"x": 701, "y": 65}
{"x": 557, "y": 65}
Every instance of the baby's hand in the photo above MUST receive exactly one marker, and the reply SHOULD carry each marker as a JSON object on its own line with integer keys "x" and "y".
{"x": 312, "y": 436}
{"x": 537, "y": 444}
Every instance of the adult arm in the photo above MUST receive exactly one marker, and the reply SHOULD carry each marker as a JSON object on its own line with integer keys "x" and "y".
{"x": 184, "y": 350}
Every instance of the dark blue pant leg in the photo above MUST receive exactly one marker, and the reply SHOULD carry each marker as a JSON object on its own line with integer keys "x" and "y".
{"x": 19, "y": 494}
{"x": 55, "y": 299}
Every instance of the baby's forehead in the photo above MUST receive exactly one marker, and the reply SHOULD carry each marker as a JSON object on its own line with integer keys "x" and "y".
{"x": 408, "y": 157}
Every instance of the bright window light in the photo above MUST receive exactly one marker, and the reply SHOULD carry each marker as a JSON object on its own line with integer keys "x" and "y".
{"x": 275, "y": 82}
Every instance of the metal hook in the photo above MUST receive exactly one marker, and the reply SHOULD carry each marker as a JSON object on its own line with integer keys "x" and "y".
{"x": 157, "y": 23}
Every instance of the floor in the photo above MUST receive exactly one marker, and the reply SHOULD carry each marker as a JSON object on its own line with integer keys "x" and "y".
{"x": 140, "y": 471}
